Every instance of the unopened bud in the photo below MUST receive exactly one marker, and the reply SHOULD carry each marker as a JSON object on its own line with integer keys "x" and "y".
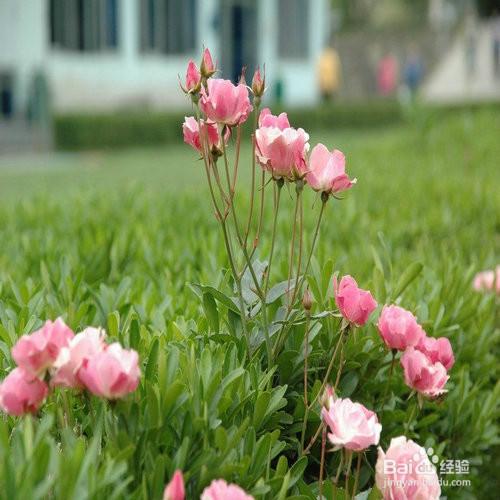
{"x": 258, "y": 84}
{"x": 193, "y": 79}
{"x": 327, "y": 397}
{"x": 307, "y": 300}
{"x": 207, "y": 66}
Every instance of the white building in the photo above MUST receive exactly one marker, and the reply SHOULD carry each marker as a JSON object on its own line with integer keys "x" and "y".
{"x": 113, "y": 54}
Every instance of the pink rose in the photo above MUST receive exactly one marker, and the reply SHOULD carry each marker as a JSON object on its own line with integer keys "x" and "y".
{"x": 21, "y": 392}
{"x": 112, "y": 373}
{"x": 207, "y": 67}
{"x": 38, "y": 351}
{"x": 220, "y": 490}
{"x": 398, "y": 328}
{"x": 437, "y": 350}
{"x": 267, "y": 119}
{"x": 327, "y": 171}
{"x": 406, "y": 473}
{"x": 224, "y": 102}
{"x": 351, "y": 425}
{"x": 193, "y": 79}
{"x": 488, "y": 281}
{"x": 82, "y": 347}
{"x": 282, "y": 152}
{"x": 355, "y": 304}
{"x": 191, "y": 133}
{"x": 422, "y": 374}
{"x": 175, "y": 489}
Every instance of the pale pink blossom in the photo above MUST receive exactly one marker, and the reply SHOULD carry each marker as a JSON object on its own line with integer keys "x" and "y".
{"x": 267, "y": 119}
{"x": 354, "y": 303}
{"x": 422, "y": 375}
{"x": 351, "y": 425}
{"x": 399, "y": 328}
{"x": 405, "y": 472}
{"x": 22, "y": 392}
{"x": 488, "y": 281}
{"x": 81, "y": 347}
{"x": 191, "y": 133}
{"x": 437, "y": 350}
{"x": 225, "y": 103}
{"x": 281, "y": 151}
{"x": 38, "y": 351}
{"x": 220, "y": 490}
{"x": 327, "y": 171}
{"x": 112, "y": 373}
{"x": 175, "y": 489}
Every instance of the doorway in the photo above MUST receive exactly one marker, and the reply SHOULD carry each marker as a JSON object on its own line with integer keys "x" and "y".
{"x": 239, "y": 38}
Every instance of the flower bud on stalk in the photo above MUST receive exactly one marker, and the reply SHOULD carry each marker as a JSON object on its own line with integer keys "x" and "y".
{"x": 307, "y": 301}
{"x": 207, "y": 67}
{"x": 258, "y": 87}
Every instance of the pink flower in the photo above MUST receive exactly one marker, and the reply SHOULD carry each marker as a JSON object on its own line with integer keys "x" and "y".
{"x": 267, "y": 119}
{"x": 355, "y": 304}
{"x": 220, "y": 490}
{"x": 422, "y": 374}
{"x": 21, "y": 392}
{"x": 327, "y": 171}
{"x": 82, "y": 347}
{"x": 280, "y": 149}
{"x": 38, "y": 351}
{"x": 224, "y": 102}
{"x": 175, "y": 489}
{"x": 191, "y": 133}
{"x": 488, "y": 281}
{"x": 406, "y": 473}
{"x": 399, "y": 328}
{"x": 437, "y": 350}
{"x": 258, "y": 84}
{"x": 193, "y": 79}
{"x": 207, "y": 67}
{"x": 352, "y": 426}
{"x": 112, "y": 373}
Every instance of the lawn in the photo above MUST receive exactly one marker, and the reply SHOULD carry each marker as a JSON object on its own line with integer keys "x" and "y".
{"x": 113, "y": 239}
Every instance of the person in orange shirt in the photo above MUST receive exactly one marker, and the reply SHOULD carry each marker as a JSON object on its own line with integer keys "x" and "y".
{"x": 329, "y": 73}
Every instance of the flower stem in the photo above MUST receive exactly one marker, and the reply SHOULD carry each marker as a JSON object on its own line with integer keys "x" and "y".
{"x": 322, "y": 463}
{"x": 356, "y": 477}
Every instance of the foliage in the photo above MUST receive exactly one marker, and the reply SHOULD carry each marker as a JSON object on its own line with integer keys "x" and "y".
{"x": 122, "y": 255}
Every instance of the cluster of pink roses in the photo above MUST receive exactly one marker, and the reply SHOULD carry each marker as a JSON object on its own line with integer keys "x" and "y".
{"x": 217, "y": 490}
{"x": 54, "y": 356}
{"x": 425, "y": 360}
{"x": 404, "y": 471}
{"x": 280, "y": 149}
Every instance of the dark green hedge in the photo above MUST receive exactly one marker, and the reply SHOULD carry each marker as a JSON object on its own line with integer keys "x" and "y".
{"x": 126, "y": 129}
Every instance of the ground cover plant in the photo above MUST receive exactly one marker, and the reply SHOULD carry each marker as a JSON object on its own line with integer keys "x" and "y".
{"x": 145, "y": 260}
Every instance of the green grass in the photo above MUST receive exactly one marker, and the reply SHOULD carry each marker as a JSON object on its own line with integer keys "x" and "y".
{"x": 113, "y": 238}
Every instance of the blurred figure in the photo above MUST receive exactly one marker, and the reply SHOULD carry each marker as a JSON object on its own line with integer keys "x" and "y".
{"x": 329, "y": 73}
{"x": 495, "y": 32}
{"x": 387, "y": 75}
{"x": 470, "y": 33}
{"x": 413, "y": 71}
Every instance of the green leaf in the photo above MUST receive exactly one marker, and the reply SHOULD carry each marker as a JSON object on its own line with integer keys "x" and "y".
{"x": 411, "y": 272}
{"x": 211, "y": 312}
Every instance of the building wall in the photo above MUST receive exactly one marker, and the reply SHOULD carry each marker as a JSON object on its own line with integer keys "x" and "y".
{"x": 126, "y": 77}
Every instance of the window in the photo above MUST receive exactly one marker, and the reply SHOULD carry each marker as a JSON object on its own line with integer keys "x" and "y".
{"x": 84, "y": 25}
{"x": 293, "y": 28}
{"x": 168, "y": 26}
{"x": 6, "y": 95}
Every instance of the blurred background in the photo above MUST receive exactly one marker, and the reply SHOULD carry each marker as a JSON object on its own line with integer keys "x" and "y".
{"x": 86, "y": 74}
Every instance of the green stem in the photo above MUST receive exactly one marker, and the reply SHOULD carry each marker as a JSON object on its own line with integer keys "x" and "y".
{"x": 292, "y": 247}
{"x": 356, "y": 477}
{"x": 322, "y": 463}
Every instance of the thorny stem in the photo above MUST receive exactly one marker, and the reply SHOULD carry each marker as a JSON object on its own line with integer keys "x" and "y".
{"x": 348, "y": 471}
{"x": 356, "y": 477}
{"x": 339, "y": 470}
{"x": 292, "y": 247}
{"x": 252, "y": 191}
{"x": 299, "y": 260}
{"x": 389, "y": 378}
{"x": 273, "y": 239}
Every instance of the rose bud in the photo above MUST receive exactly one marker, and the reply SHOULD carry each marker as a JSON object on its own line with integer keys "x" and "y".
{"x": 258, "y": 84}
{"x": 175, "y": 489}
{"x": 207, "y": 67}
{"x": 220, "y": 490}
